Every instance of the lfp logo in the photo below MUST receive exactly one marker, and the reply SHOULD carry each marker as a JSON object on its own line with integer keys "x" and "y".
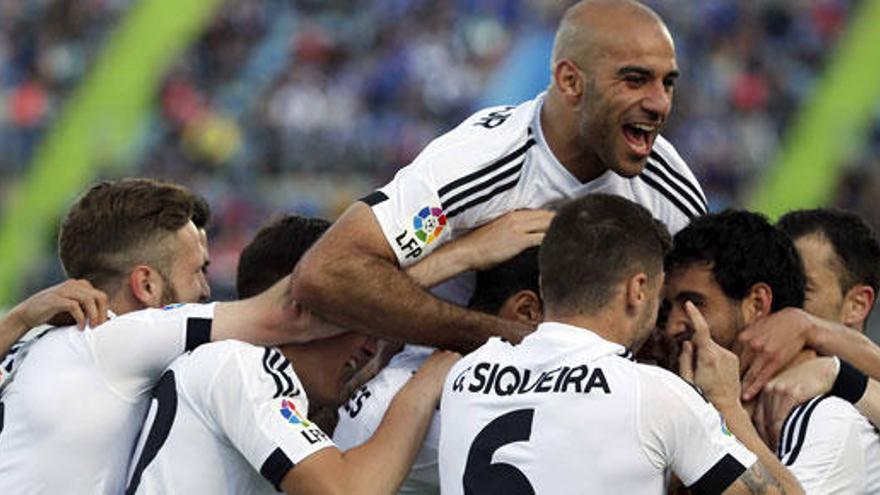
{"x": 428, "y": 224}
{"x": 173, "y": 306}
{"x": 292, "y": 415}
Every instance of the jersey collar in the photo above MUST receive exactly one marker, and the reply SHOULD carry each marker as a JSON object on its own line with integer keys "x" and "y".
{"x": 580, "y": 338}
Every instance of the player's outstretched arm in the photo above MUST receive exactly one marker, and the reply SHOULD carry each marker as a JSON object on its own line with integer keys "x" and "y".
{"x": 380, "y": 465}
{"x": 772, "y": 342}
{"x": 73, "y": 299}
{"x": 484, "y": 248}
{"x": 716, "y": 371}
{"x": 351, "y": 277}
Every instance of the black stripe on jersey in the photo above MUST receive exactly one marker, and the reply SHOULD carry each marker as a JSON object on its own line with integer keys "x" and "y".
{"x": 802, "y": 431}
{"x": 717, "y": 479}
{"x": 788, "y": 427}
{"x": 1, "y": 417}
{"x": 447, "y": 205}
{"x": 283, "y": 365}
{"x": 671, "y": 197}
{"x": 482, "y": 199}
{"x": 165, "y": 394}
{"x": 275, "y": 467}
{"x": 374, "y": 198}
{"x": 268, "y": 354}
{"x": 198, "y": 332}
{"x": 681, "y": 178}
{"x": 485, "y": 171}
{"x": 660, "y": 175}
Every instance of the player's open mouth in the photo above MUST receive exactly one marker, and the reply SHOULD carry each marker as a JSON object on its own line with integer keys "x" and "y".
{"x": 640, "y": 137}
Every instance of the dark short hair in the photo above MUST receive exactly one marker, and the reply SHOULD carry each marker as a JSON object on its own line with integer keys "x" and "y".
{"x": 594, "y": 243}
{"x": 853, "y": 241}
{"x": 201, "y": 215}
{"x": 742, "y": 248}
{"x": 496, "y": 285}
{"x": 117, "y": 225}
{"x": 274, "y": 251}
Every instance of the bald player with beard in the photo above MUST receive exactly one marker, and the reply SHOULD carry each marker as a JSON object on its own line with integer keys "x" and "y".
{"x": 595, "y": 129}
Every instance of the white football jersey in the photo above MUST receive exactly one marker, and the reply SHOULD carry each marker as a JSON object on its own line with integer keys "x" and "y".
{"x": 228, "y": 418}
{"x": 361, "y": 415}
{"x": 72, "y": 414}
{"x": 497, "y": 161}
{"x": 567, "y": 412}
{"x": 831, "y": 448}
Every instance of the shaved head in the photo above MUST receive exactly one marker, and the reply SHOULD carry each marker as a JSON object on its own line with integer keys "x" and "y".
{"x": 589, "y": 24}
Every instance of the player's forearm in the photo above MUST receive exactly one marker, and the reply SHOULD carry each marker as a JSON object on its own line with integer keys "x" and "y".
{"x": 740, "y": 424}
{"x": 371, "y": 295}
{"x": 381, "y": 464}
{"x": 832, "y": 339}
{"x": 446, "y": 262}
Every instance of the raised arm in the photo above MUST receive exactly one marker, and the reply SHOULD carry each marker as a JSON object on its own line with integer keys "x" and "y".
{"x": 716, "y": 371}
{"x": 381, "y": 464}
{"x": 352, "y": 278}
{"x": 70, "y": 302}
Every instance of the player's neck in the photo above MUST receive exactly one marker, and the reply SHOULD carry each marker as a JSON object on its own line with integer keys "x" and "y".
{"x": 559, "y": 127}
{"x": 604, "y": 325}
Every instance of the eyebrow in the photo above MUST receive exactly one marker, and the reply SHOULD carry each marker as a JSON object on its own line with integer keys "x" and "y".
{"x": 689, "y": 296}
{"x": 643, "y": 71}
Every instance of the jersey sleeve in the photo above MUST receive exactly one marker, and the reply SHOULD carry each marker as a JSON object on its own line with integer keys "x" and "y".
{"x": 409, "y": 211}
{"x": 257, "y": 401}
{"x": 134, "y": 349}
{"x": 820, "y": 444}
{"x": 679, "y": 429}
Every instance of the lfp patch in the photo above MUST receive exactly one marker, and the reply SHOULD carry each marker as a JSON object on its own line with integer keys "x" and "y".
{"x": 292, "y": 415}
{"x": 428, "y": 224}
{"x": 173, "y": 306}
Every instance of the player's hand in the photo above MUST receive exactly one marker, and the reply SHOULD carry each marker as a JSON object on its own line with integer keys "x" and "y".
{"x": 769, "y": 344}
{"x": 789, "y": 389}
{"x": 708, "y": 365}
{"x": 504, "y": 238}
{"x": 70, "y": 302}
{"x": 431, "y": 375}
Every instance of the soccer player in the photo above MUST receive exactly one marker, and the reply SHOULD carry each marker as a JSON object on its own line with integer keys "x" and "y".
{"x": 737, "y": 269}
{"x": 510, "y": 291}
{"x": 567, "y": 411}
{"x": 595, "y": 129}
{"x": 245, "y": 408}
{"x": 73, "y": 410}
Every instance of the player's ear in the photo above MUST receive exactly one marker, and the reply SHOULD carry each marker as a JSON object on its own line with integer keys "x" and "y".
{"x": 569, "y": 80}
{"x": 146, "y": 286}
{"x": 857, "y": 304}
{"x": 524, "y": 306}
{"x": 757, "y": 302}
{"x": 636, "y": 291}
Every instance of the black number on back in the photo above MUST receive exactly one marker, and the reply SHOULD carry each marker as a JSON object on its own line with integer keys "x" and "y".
{"x": 481, "y": 476}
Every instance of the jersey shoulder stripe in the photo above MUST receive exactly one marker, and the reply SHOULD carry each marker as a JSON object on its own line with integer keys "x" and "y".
{"x": 665, "y": 154}
{"x": 653, "y": 168}
{"x": 662, "y": 189}
{"x": 797, "y": 430}
{"x": 276, "y": 365}
{"x": 694, "y": 195}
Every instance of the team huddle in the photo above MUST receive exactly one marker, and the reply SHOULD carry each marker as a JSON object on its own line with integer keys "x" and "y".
{"x": 540, "y": 303}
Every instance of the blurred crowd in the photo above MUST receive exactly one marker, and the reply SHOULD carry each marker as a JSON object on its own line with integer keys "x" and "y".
{"x": 303, "y": 106}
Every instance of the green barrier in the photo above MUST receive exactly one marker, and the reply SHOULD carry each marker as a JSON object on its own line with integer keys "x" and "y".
{"x": 97, "y": 127}
{"x": 832, "y": 125}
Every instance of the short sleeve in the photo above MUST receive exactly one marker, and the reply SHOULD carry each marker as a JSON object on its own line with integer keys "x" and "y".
{"x": 820, "y": 444}
{"x": 258, "y": 402}
{"x": 408, "y": 210}
{"x": 134, "y": 349}
{"x": 679, "y": 429}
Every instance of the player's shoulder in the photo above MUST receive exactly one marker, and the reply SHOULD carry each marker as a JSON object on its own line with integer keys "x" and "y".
{"x": 823, "y": 420}
{"x": 656, "y": 383}
{"x": 487, "y": 137}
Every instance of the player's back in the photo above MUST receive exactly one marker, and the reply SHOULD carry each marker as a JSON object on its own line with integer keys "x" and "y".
{"x": 567, "y": 412}
{"x": 52, "y": 410}
{"x": 73, "y": 410}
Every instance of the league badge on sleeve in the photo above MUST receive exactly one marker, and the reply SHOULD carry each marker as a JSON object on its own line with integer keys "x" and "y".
{"x": 292, "y": 414}
{"x": 428, "y": 224}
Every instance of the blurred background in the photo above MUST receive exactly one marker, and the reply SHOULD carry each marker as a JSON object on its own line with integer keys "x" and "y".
{"x": 270, "y": 106}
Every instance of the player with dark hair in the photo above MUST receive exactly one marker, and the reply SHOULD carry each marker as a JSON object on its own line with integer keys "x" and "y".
{"x": 510, "y": 291}
{"x": 737, "y": 269}
{"x": 595, "y": 129}
{"x": 567, "y": 411}
{"x": 841, "y": 257}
